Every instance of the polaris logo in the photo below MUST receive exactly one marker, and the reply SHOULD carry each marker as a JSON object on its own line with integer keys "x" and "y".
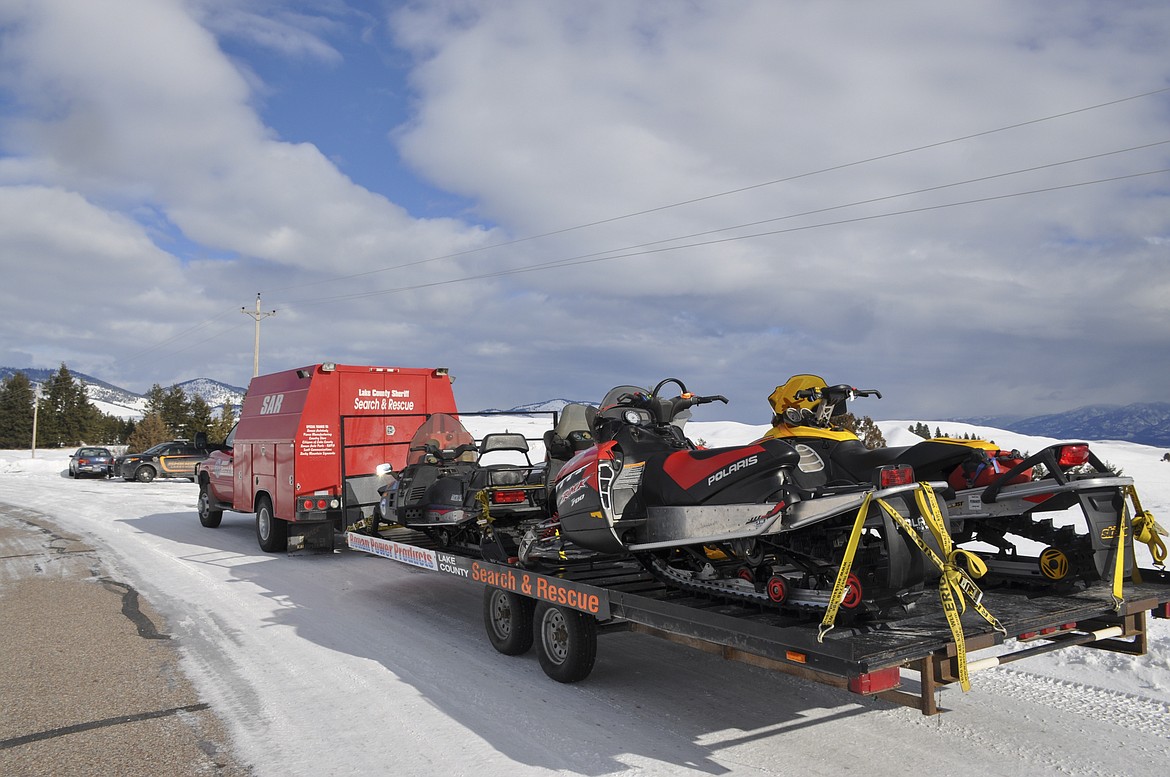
{"x": 271, "y": 404}
{"x": 748, "y": 462}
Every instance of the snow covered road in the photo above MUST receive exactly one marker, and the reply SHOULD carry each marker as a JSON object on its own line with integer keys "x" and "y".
{"x": 335, "y": 664}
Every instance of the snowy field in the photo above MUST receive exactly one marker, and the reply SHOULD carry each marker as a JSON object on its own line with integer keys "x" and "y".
{"x": 341, "y": 664}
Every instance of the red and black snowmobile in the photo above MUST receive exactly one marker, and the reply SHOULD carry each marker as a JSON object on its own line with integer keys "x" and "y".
{"x": 744, "y": 522}
{"x": 997, "y": 496}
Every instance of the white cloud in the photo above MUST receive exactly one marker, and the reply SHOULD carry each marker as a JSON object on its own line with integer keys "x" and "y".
{"x": 132, "y": 140}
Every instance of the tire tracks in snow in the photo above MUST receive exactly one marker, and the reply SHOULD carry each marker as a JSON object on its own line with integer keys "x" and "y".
{"x": 1019, "y": 723}
{"x": 1135, "y": 713}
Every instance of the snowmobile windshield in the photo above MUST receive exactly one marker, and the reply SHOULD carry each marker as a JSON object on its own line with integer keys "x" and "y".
{"x": 440, "y": 435}
{"x": 575, "y": 417}
{"x": 611, "y": 399}
{"x": 784, "y": 396}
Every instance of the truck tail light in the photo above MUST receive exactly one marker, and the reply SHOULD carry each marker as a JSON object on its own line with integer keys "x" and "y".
{"x": 1073, "y": 455}
{"x": 509, "y": 497}
{"x": 894, "y": 475}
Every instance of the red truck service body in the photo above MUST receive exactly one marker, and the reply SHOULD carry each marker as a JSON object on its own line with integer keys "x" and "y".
{"x": 303, "y": 455}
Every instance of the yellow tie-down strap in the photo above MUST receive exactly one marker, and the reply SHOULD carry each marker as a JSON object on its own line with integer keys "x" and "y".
{"x": 955, "y": 583}
{"x": 1144, "y": 529}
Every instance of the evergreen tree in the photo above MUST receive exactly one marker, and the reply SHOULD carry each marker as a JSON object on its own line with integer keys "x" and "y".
{"x": 199, "y": 418}
{"x": 222, "y": 426}
{"x": 65, "y": 413}
{"x": 16, "y": 412}
{"x": 110, "y": 430}
{"x": 151, "y": 430}
{"x": 176, "y": 411}
{"x": 154, "y": 400}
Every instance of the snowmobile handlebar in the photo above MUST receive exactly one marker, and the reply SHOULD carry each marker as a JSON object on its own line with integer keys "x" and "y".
{"x": 665, "y": 410}
{"x": 836, "y": 393}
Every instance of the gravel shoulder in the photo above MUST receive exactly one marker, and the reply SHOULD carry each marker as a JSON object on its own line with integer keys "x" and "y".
{"x": 92, "y": 680}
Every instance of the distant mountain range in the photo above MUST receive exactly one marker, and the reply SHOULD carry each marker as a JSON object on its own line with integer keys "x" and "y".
{"x": 547, "y": 406}
{"x": 119, "y": 402}
{"x": 1147, "y": 423}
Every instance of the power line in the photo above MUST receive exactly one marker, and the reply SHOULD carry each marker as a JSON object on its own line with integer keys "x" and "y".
{"x": 739, "y": 190}
{"x": 610, "y": 255}
{"x": 180, "y": 335}
{"x": 590, "y": 257}
{"x": 873, "y": 200}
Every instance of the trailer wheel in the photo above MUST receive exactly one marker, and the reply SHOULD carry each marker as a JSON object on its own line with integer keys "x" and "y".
{"x": 508, "y": 619}
{"x": 271, "y": 531}
{"x": 568, "y": 642}
{"x": 207, "y": 516}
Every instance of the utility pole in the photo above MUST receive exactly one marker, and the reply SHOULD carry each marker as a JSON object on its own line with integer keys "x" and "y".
{"x": 257, "y": 315}
{"x": 36, "y": 406}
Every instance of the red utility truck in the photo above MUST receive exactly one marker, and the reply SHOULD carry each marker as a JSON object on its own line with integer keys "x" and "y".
{"x": 304, "y": 453}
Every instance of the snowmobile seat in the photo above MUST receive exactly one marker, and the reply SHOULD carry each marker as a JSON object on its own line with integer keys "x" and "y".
{"x": 934, "y": 460}
{"x": 859, "y": 462}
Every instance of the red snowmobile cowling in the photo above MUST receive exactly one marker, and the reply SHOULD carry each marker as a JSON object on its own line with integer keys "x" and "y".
{"x": 595, "y": 488}
{"x": 583, "y": 503}
{"x": 718, "y": 475}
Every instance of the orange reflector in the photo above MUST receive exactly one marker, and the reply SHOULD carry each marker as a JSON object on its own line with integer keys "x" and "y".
{"x": 799, "y": 658}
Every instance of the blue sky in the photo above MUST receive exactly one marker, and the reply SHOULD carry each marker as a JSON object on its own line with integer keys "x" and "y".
{"x": 965, "y": 207}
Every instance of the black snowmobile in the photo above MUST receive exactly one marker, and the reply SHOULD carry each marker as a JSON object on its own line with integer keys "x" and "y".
{"x": 450, "y": 491}
{"x": 748, "y": 522}
{"x": 995, "y": 495}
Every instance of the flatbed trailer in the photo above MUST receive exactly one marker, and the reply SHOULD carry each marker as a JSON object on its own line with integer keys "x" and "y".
{"x": 563, "y": 610}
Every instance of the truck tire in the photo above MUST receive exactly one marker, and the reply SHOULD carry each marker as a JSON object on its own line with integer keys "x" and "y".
{"x": 272, "y": 532}
{"x": 508, "y": 618}
{"x": 567, "y": 642}
{"x": 144, "y": 474}
{"x": 207, "y": 516}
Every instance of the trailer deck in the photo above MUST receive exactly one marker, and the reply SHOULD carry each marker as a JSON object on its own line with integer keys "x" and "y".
{"x": 869, "y": 659}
